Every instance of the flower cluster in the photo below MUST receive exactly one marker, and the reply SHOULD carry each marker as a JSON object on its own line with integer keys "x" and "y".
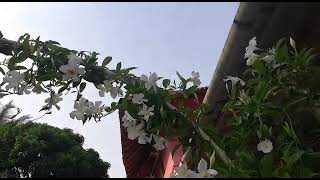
{"x": 251, "y": 57}
{"x": 16, "y": 81}
{"x": 195, "y": 78}
{"x": 84, "y": 108}
{"x": 72, "y": 70}
{"x": 149, "y": 81}
{"x": 53, "y": 100}
{"x": 182, "y": 171}
{"x": 136, "y": 127}
{"x": 107, "y": 87}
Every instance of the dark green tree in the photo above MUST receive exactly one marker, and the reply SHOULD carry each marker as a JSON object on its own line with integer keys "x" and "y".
{"x": 39, "y": 150}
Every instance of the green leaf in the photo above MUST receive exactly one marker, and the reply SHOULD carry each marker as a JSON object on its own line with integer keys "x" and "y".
{"x": 19, "y": 68}
{"x": 166, "y": 83}
{"x": 162, "y": 112}
{"x": 279, "y": 43}
{"x": 212, "y": 159}
{"x": 64, "y": 87}
{"x": 174, "y": 150}
{"x": 106, "y": 61}
{"x": 118, "y": 66}
{"x": 78, "y": 96}
{"x": 75, "y": 84}
{"x": 52, "y": 42}
{"x": 180, "y": 77}
{"x": 266, "y": 165}
{"x": 2, "y": 71}
{"x": 294, "y": 158}
{"x": 259, "y": 67}
{"x": 191, "y": 90}
{"x": 82, "y": 86}
{"x": 131, "y": 68}
{"x": 47, "y": 76}
{"x": 11, "y": 63}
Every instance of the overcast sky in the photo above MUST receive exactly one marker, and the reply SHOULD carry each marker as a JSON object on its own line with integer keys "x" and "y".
{"x": 156, "y": 37}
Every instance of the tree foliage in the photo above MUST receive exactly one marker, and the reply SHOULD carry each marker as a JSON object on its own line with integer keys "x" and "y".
{"x": 39, "y": 150}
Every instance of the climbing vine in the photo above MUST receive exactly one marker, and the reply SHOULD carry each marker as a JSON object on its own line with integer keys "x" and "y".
{"x": 263, "y": 133}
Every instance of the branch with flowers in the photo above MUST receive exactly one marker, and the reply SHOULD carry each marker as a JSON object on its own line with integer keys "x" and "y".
{"x": 261, "y": 136}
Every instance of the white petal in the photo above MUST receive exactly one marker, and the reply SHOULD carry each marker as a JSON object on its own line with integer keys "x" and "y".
{"x": 144, "y": 77}
{"x": 65, "y": 77}
{"x": 80, "y": 116}
{"x": 76, "y": 79}
{"x": 63, "y": 68}
{"x": 212, "y": 172}
{"x": 81, "y": 71}
{"x": 98, "y": 103}
{"x": 148, "y": 85}
{"x": 153, "y": 77}
{"x": 202, "y": 166}
{"x": 73, "y": 114}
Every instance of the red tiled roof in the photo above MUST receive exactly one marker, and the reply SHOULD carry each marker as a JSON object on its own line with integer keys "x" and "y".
{"x": 137, "y": 158}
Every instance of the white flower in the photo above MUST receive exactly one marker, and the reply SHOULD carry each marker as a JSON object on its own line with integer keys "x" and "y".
{"x": 268, "y": 58}
{"x": 251, "y": 59}
{"x": 195, "y": 78}
{"x": 81, "y": 108}
{"x": 104, "y": 88}
{"x": 138, "y": 98}
{"x": 251, "y": 48}
{"x": 24, "y": 88}
{"x": 53, "y": 100}
{"x": 272, "y": 51}
{"x": 14, "y": 79}
{"x": 143, "y": 138}
{"x": 135, "y": 131}
{"x": 38, "y": 89}
{"x": 234, "y": 80}
{"x": 128, "y": 120}
{"x": 114, "y": 91}
{"x": 265, "y": 146}
{"x": 146, "y": 112}
{"x": 160, "y": 142}
{"x": 74, "y": 58}
{"x": 72, "y": 69}
{"x": 204, "y": 171}
{"x": 182, "y": 171}
{"x": 149, "y": 82}
{"x": 107, "y": 87}
{"x": 96, "y": 108}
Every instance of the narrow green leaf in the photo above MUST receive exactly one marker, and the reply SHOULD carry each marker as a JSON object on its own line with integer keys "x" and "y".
{"x": 118, "y": 66}
{"x": 131, "y": 68}
{"x": 106, "y": 61}
{"x": 19, "y": 67}
{"x": 78, "y": 96}
{"x": 174, "y": 150}
{"x": 279, "y": 43}
{"x": 82, "y": 86}
{"x": 166, "y": 83}
{"x": 53, "y": 42}
{"x": 266, "y": 165}
{"x": 64, "y": 87}
{"x": 180, "y": 77}
{"x": 75, "y": 84}
{"x": 11, "y": 63}
{"x": 2, "y": 71}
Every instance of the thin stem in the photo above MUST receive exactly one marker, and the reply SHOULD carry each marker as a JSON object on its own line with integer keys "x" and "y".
{"x": 294, "y": 134}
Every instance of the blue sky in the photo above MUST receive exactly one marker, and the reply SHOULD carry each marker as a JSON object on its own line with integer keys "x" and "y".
{"x": 156, "y": 37}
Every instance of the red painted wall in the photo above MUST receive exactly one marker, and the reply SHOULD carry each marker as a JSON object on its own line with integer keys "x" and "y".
{"x": 139, "y": 160}
{"x": 169, "y": 161}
